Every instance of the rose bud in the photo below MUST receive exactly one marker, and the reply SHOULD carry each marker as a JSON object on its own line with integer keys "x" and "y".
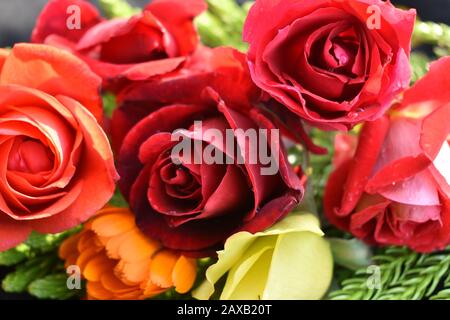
{"x": 154, "y": 42}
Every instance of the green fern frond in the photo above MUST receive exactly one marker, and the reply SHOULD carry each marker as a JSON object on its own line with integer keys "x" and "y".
{"x": 402, "y": 275}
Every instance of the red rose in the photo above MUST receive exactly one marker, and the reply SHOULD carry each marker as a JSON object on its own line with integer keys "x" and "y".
{"x": 189, "y": 206}
{"x": 156, "y": 41}
{"x": 396, "y": 188}
{"x": 321, "y": 61}
{"x": 56, "y": 165}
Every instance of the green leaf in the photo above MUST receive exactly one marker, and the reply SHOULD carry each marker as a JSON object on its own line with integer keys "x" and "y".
{"x": 420, "y": 65}
{"x": 118, "y": 200}
{"x": 47, "y": 242}
{"x": 109, "y": 103}
{"x": 222, "y": 24}
{"x": 15, "y": 255}
{"x": 31, "y": 270}
{"x": 211, "y": 30}
{"x": 427, "y": 32}
{"x": 52, "y": 287}
{"x": 118, "y": 8}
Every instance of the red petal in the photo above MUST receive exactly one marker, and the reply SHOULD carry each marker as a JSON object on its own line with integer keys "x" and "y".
{"x": 54, "y": 17}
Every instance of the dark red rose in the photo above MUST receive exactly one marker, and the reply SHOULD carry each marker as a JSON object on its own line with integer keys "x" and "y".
{"x": 154, "y": 42}
{"x": 194, "y": 207}
{"x": 395, "y": 190}
{"x": 320, "y": 59}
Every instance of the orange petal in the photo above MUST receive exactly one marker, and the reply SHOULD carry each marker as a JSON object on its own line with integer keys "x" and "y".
{"x": 95, "y": 290}
{"x": 87, "y": 241}
{"x": 113, "y": 244}
{"x": 136, "y": 247}
{"x": 97, "y": 175}
{"x": 69, "y": 246}
{"x": 71, "y": 260}
{"x": 96, "y": 267}
{"x": 161, "y": 268}
{"x": 111, "y": 283}
{"x": 119, "y": 273}
{"x": 113, "y": 224}
{"x": 3, "y": 54}
{"x": 184, "y": 274}
{"x": 135, "y": 272}
{"x": 152, "y": 290}
{"x": 54, "y": 71}
{"x": 133, "y": 295}
{"x": 86, "y": 256}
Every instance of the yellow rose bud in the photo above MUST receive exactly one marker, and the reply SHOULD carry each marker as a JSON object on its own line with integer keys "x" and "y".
{"x": 291, "y": 260}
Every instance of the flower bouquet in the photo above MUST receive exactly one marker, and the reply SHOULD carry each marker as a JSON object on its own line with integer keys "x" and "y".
{"x": 203, "y": 149}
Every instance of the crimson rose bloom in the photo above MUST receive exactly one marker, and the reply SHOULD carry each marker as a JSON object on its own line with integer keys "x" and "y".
{"x": 188, "y": 206}
{"x": 321, "y": 61}
{"x": 395, "y": 191}
{"x": 154, "y": 42}
{"x": 56, "y": 165}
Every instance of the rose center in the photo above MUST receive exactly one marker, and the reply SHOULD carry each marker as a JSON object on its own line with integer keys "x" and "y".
{"x": 30, "y": 156}
{"x": 179, "y": 181}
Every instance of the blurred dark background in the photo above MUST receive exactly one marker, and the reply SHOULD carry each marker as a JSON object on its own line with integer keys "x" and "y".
{"x": 17, "y": 17}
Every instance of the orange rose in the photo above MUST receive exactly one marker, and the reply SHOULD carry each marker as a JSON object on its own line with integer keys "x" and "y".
{"x": 56, "y": 165}
{"x": 119, "y": 262}
{"x": 3, "y": 54}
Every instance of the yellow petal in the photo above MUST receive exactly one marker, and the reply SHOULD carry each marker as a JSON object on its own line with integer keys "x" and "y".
{"x": 235, "y": 253}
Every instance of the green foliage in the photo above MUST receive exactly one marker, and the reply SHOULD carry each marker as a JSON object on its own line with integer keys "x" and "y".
{"x": 118, "y": 8}
{"x": 35, "y": 268}
{"x": 52, "y": 287}
{"x": 118, "y": 200}
{"x": 350, "y": 253}
{"x": 420, "y": 64}
{"x": 36, "y": 245}
{"x": 404, "y": 275}
{"x": 109, "y": 103}
{"x": 316, "y": 167}
{"x": 34, "y": 260}
{"x": 222, "y": 24}
{"x": 15, "y": 255}
{"x": 42, "y": 243}
{"x": 436, "y": 34}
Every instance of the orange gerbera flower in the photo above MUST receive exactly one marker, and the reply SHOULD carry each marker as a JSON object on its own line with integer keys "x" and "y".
{"x": 119, "y": 262}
